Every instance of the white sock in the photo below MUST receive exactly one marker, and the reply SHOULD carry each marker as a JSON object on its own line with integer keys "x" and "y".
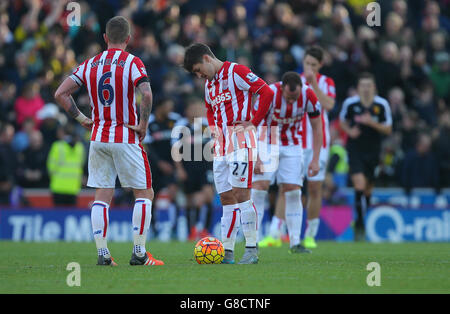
{"x": 100, "y": 222}
{"x": 294, "y": 215}
{"x": 231, "y": 217}
{"x": 249, "y": 222}
{"x": 312, "y": 228}
{"x": 259, "y": 200}
{"x": 142, "y": 215}
{"x": 276, "y": 226}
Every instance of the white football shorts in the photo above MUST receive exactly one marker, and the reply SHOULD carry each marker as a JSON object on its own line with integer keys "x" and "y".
{"x": 285, "y": 165}
{"x": 234, "y": 170}
{"x": 109, "y": 160}
{"x": 323, "y": 161}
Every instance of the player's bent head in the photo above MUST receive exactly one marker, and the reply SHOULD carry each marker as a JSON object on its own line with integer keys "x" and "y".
{"x": 291, "y": 86}
{"x": 118, "y": 30}
{"x": 291, "y": 80}
{"x": 194, "y": 54}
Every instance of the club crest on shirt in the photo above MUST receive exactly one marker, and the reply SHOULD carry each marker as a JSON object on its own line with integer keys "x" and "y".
{"x": 376, "y": 110}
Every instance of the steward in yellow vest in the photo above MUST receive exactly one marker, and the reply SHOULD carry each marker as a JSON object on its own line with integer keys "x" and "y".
{"x": 65, "y": 168}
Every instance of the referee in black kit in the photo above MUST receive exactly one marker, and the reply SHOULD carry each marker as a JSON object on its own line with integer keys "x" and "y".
{"x": 366, "y": 118}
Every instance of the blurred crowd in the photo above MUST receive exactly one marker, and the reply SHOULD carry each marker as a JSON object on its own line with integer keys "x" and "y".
{"x": 408, "y": 53}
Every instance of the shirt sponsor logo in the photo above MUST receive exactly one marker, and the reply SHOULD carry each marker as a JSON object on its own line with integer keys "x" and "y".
{"x": 288, "y": 120}
{"x": 219, "y": 99}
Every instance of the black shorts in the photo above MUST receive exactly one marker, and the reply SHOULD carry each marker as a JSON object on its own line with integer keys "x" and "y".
{"x": 160, "y": 180}
{"x": 199, "y": 174}
{"x": 363, "y": 162}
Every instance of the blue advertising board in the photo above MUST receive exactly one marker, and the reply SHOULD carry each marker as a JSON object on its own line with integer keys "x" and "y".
{"x": 383, "y": 224}
{"x": 56, "y": 225}
{"x": 394, "y": 224}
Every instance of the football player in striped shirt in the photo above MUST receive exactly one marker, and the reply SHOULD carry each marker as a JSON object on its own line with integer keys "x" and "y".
{"x": 324, "y": 88}
{"x": 111, "y": 79}
{"x": 279, "y": 133}
{"x": 229, "y": 88}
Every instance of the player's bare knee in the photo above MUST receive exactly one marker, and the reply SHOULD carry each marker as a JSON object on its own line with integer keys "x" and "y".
{"x": 261, "y": 185}
{"x": 241, "y": 195}
{"x": 286, "y": 187}
{"x": 104, "y": 195}
{"x": 227, "y": 198}
{"x": 147, "y": 193}
{"x": 315, "y": 189}
{"x": 359, "y": 181}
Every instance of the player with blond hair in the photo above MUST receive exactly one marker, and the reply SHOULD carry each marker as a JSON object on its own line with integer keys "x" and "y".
{"x": 111, "y": 79}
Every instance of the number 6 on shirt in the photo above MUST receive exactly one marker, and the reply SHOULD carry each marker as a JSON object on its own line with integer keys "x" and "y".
{"x": 105, "y": 87}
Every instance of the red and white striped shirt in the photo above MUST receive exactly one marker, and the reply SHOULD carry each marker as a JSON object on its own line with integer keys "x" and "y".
{"x": 326, "y": 85}
{"x": 282, "y": 123}
{"x": 228, "y": 98}
{"x": 110, "y": 78}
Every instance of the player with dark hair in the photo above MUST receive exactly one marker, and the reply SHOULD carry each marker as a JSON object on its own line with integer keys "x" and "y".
{"x": 324, "y": 88}
{"x": 279, "y": 132}
{"x": 111, "y": 79}
{"x": 366, "y": 118}
{"x": 229, "y": 88}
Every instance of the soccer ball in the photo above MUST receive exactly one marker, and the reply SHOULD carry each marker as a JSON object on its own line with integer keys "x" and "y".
{"x": 209, "y": 250}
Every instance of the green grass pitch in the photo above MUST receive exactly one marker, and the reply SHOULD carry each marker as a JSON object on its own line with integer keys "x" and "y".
{"x": 331, "y": 268}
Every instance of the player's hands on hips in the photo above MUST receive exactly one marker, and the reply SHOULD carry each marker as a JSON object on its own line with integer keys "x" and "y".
{"x": 87, "y": 124}
{"x": 214, "y": 133}
{"x": 259, "y": 167}
{"x": 140, "y": 129}
{"x": 241, "y": 126}
{"x": 313, "y": 168}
